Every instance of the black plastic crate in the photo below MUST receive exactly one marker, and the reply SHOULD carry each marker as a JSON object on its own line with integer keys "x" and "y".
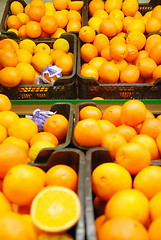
{"x": 75, "y": 159}
{"x": 88, "y": 87}
{"x": 63, "y": 88}
{"x": 7, "y": 13}
{"x": 67, "y": 110}
{"x": 95, "y": 157}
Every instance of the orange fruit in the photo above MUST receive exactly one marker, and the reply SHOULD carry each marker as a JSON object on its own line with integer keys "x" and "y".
{"x": 148, "y": 181}
{"x": 24, "y": 18}
{"x": 106, "y": 126}
{"x": 60, "y": 5}
{"x": 73, "y": 25}
{"x": 5, "y": 205}
{"x": 35, "y": 13}
{"x": 38, "y": 3}
{"x": 23, "y": 128}
{"x": 151, "y": 127}
{"x": 5, "y": 43}
{"x": 57, "y": 124}
{"x": 97, "y": 62}
{"x": 17, "y": 141}
{"x": 155, "y": 207}
{"x": 22, "y": 32}
{"x": 33, "y": 29}
{"x": 97, "y": 98}
{"x": 113, "y": 141}
{"x": 117, "y": 39}
{"x": 40, "y": 60}
{"x": 130, "y": 74}
{"x": 156, "y": 12}
{"x": 135, "y": 229}
{"x": 151, "y": 40}
{"x": 95, "y": 23}
{"x": 12, "y": 220}
{"x": 118, "y": 51}
{"x": 33, "y": 179}
{"x": 27, "y": 73}
{"x": 13, "y": 22}
{"x": 75, "y": 5}
{"x": 98, "y": 222}
{"x": 153, "y": 25}
{"x": 155, "y": 52}
{"x": 132, "y": 53}
{"x": 100, "y": 13}
{"x": 62, "y": 175}
{"x": 87, "y": 34}
{"x": 8, "y": 58}
{"x": 136, "y": 25}
{"x": 88, "y": 51}
{"x": 58, "y": 33}
{"x": 5, "y": 103}
{"x": 93, "y": 6}
{"x": 113, "y": 72}
{"x": 126, "y": 131}
{"x": 108, "y": 179}
{"x": 61, "y": 18}
{"x": 44, "y": 136}
{"x": 157, "y": 72}
{"x": 16, "y": 7}
{"x": 129, "y": 7}
{"x": 116, "y": 14}
{"x": 11, "y": 155}
{"x": 90, "y": 71}
{"x": 126, "y": 21}
{"x": 100, "y": 41}
{"x": 9, "y": 77}
{"x": 3, "y": 133}
{"x": 111, "y": 5}
{"x": 133, "y": 156}
{"x": 90, "y": 112}
{"x": 74, "y": 15}
{"x": 65, "y": 62}
{"x": 154, "y": 230}
{"x": 136, "y": 38}
{"x": 51, "y": 197}
{"x": 133, "y": 112}
{"x": 55, "y": 54}
{"x": 105, "y": 53}
{"x": 130, "y": 203}
{"x": 112, "y": 114}
{"x": 108, "y": 27}
{"x": 146, "y": 67}
{"x": 141, "y": 54}
{"x": 158, "y": 141}
{"x": 148, "y": 142}
{"x": 24, "y": 55}
{"x": 92, "y": 133}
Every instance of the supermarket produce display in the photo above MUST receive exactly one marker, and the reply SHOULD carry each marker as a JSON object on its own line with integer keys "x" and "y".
{"x": 80, "y": 120}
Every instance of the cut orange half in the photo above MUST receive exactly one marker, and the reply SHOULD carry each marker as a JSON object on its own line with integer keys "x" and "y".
{"x": 75, "y": 5}
{"x": 55, "y": 209}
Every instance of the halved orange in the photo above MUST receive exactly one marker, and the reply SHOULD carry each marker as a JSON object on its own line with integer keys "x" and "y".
{"x": 55, "y": 209}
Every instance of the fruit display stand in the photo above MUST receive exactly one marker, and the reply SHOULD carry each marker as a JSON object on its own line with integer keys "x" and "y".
{"x": 73, "y": 158}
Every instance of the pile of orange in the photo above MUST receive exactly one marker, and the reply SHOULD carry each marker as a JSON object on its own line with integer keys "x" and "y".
{"x": 116, "y": 47}
{"x": 23, "y": 62}
{"x": 40, "y": 19}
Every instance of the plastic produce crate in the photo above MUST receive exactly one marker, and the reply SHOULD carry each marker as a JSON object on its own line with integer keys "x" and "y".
{"x": 7, "y": 13}
{"x": 95, "y": 157}
{"x": 75, "y": 159}
{"x": 89, "y": 87}
{"x": 66, "y": 109}
{"x": 63, "y": 88}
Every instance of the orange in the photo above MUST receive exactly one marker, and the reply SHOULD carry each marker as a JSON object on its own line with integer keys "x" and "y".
{"x": 62, "y": 175}
{"x": 157, "y": 72}
{"x": 22, "y": 32}
{"x": 112, "y": 114}
{"x": 113, "y": 141}
{"x": 141, "y": 54}
{"x": 61, "y": 18}
{"x": 148, "y": 181}
{"x": 93, "y": 6}
{"x": 153, "y": 25}
{"x": 119, "y": 25}
{"x": 154, "y": 230}
{"x": 42, "y": 47}
{"x": 146, "y": 67}
{"x": 40, "y": 60}
{"x": 27, "y": 73}
{"x": 11, "y": 155}
{"x": 5, "y": 103}
{"x": 155, "y": 207}
{"x": 24, "y": 18}
{"x": 118, "y": 51}
{"x": 100, "y": 41}
{"x": 99, "y": 221}
{"x": 100, "y": 13}
{"x": 112, "y": 70}
{"x": 130, "y": 203}
{"x": 126, "y": 22}
{"x": 136, "y": 38}
{"x": 156, "y": 12}
{"x": 130, "y": 74}
{"x": 33, "y": 29}
{"x": 133, "y": 156}
{"x": 90, "y": 71}
{"x": 60, "y": 4}
{"x": 35, "y": 13}
{"x": 33, "y": 179}
{"x": 38, "y": 3}
{"x": 58, "y": 33}
{"x": 116, "y": 14}
{"x": 151, "y": 127}
{"x": 55, "y": 54}
{"x": 130, "y": 7}
{"x": 13, "y": 22}
{"x": 97, "y": 62}
{"x": 74, "y": 15}
{"x": 158, "y": 141}
{"x": 5, "y": 204}
{"x": 111, "y": 5}
{"x": 151, "y": 40}
{"x": 87, "y": 34}
{"x": 105, "y": 53}
{"x": 88, "y": 51}
{"x": 155, "y": 52}
{"x": 8, "y": 58}
{"x": 49, "y": 24}
{"x": 97, "y": 98}
{"x": 136, "y": 25}
{"x": 117, "y": 39}
{"x": 133, "y": 112}
{"x": 75, "y": 5}
{"x": 95, "y": 23}
{"x": 17, "y": 141}
{"x": 51, "y": 197}
{"x": 148, "y": 142}
{"x": 44, "y": 136}
{"x": 106, "y": 126}
{"x": 108, "y": 179}
{"x": 5, "y": 43}
{"x": 16, "y": 7}
{"x": 132, "y": 53}
{"x": 9, "y": 77}
{"x": 108, "y": 27}
{"x": 88, "y": 133}
{"x": 65, "y": 62}
{"x": 57, "y": 124}
{"x": 73, "y": 25}
{"x": 126, "y": 131}
{"x": 10, "y": 221}
{"x": 3, "y": 133}
{"x": 23, "y": 128}
{"x": 135, "y": 230}
{"x": 90, "y": 112}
